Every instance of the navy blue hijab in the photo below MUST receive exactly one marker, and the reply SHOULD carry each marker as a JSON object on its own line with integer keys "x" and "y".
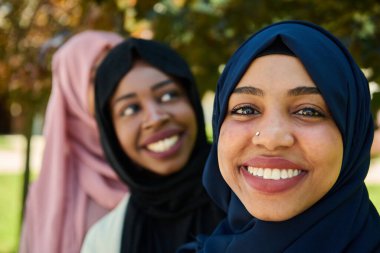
{"x": 344, "y": 220}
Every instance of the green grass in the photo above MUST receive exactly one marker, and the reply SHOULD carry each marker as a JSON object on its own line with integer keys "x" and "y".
{"x": 374, "y": 194}
{"x": 11, "y": 142}
{"x": 10, "y": 211}
{"x": 6, "y": 142}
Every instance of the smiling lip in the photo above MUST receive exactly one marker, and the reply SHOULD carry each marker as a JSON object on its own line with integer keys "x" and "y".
{"x": 272, "y": 162}
{"x": 280, "y": 174}
{"x": 162, "y": 135}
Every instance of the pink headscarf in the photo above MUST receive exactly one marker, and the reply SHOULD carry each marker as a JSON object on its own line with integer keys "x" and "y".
{"x": 76, "y": 186}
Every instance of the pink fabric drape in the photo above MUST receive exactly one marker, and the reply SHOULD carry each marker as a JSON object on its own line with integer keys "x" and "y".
{"x": 76, "y": 186}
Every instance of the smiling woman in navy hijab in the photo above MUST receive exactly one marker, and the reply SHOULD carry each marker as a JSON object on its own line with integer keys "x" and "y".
{"x": 292, "y": 135}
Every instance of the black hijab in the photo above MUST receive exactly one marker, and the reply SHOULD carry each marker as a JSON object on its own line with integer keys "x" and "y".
{"x": 163, "y": 211}
{"x": 344, "y": 220}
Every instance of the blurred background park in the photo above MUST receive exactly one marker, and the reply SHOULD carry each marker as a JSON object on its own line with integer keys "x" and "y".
{"x": 205, "y": 32}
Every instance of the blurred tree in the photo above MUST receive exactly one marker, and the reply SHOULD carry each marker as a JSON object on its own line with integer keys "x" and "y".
{"x": 205, "y": 32}
{"x": 25, "y": 27}
{"x": 30, "y": 31}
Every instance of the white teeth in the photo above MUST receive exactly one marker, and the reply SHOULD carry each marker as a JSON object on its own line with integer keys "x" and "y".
{"x": 274, "y": 174}
{"x": 267, "y": 173}
{"x": 284, "y": 174}
{"x": 163, "y": 145}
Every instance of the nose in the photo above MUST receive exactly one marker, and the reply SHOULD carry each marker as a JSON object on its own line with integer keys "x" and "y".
{"x": 273, "y": 133}
{"x": 155, "y": 116}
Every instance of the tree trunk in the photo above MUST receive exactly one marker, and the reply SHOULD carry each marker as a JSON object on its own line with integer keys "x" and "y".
{"x": 26, "y": 175}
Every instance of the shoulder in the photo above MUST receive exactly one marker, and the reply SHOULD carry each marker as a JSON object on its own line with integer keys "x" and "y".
{"x": 105, "y": 234}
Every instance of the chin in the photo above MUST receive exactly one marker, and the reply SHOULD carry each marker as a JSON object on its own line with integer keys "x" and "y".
{"x": 271, "y": 215}
{"x": 272, "y": 218}
{"x": 168, "y": 170}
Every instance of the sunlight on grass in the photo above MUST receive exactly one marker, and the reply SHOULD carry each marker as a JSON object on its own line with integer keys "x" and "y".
{"x": 12, "y": 142}
{"x": 374, "y": 194}
{"x": 10, "y": 211}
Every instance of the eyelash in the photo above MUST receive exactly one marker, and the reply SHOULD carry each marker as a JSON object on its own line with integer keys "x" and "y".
{"x": 172, "y": 93}
{"x": 136, "y": 107}
{"x": 133, "y": 107}
{"x": 249, "y": 110}
{"x": 310, "y": 112}
{"x": 243, "y": 110}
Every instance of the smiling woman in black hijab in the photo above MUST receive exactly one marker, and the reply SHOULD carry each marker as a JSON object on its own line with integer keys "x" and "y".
{"x": 152, "y": 131}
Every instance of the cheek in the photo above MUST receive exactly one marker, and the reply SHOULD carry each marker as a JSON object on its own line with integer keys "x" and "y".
{"x": 126, "y": 133}
{"x": 323, "y": 149}
{"x": 184, "y": 114}
{"x": 234, "y": 138}
{"x": 233, "y": 141}
{"x": 191, "y": 122}
{"x": 225, "y": 150}
{"x": 326, "y": 147}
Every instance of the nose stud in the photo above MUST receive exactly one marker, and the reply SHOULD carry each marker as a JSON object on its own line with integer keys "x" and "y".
{"x": 257, "y": 133}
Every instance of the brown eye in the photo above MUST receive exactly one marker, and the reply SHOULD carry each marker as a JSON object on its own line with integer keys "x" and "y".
{"x": 168, "y": 96}
{"x": 309, "y": 112}
{"x": 244, "y": 110}
{"x": 130, "y": 110}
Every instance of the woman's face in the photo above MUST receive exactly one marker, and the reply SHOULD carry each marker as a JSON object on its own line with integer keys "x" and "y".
{"x": 153, "y": 119}
{"x": 279, "y": 149}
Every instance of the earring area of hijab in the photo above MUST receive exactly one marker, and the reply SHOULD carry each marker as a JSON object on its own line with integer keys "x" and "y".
{"x": 257, "y": 133}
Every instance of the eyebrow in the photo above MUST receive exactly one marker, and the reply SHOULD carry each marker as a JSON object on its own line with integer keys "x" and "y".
{"x": 155, "y": 86}
{"x": 304, "y": 90}
{"x": 298, "y": 91}
{"x": 161, "y": 84}
{"x": 249, "y": 90}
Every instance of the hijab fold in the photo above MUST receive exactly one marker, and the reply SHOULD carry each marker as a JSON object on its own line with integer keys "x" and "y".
{"x": 344, "y": 220}
{"x": 75, "y": 186}
{"x": 163, "y": 211}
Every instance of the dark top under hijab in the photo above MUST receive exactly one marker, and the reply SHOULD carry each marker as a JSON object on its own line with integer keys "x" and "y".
{"x": 344, "y": 220}
{"x": 163, "y": 211}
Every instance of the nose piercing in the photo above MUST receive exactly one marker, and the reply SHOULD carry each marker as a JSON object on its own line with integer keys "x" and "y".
{"x": 257, "y": 133}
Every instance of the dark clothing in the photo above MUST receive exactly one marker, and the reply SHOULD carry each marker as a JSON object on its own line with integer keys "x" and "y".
{"x": 164, "y": 211}
{"x": 344, "y": 220}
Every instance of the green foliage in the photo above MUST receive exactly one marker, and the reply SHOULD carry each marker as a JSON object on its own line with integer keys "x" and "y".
{"x": 205, "y": 32}
{"x": 208, "y": 32}
{"x": 26, "y": 32}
